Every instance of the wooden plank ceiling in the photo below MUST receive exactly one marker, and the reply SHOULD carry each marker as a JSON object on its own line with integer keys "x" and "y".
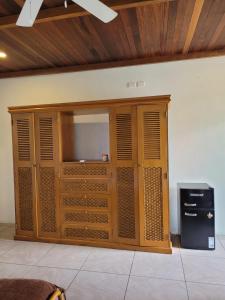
{"x": 144, "y": 32}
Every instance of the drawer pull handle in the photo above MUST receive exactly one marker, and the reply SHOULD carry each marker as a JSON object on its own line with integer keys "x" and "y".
{"x": 196, "y": 195}
{"x": 190, "y": 204}
{"x": 190, "y": 215}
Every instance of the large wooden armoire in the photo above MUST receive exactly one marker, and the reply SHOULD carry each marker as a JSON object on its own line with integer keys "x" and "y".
{"x": 117, "y": 200}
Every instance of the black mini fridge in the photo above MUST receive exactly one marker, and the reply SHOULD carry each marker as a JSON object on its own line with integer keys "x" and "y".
{"x": 197, "y": 216}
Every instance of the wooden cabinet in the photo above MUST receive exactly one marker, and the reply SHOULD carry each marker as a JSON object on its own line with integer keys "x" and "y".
{"x": 119, "y": 203}
{"x": 47, "y": 169}
{"x": 124, "y": 124}
{"x": 25, "y": 185}
{"x": 153, "y": 175}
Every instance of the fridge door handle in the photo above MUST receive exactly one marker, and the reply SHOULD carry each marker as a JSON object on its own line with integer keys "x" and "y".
{"x": 190, "y": 214}
{"x": 190, "y": 204}
{"x": 196, "y": 195}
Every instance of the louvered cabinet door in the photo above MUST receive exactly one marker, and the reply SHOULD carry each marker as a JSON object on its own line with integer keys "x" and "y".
{"x": 125, "y": 175}
{"x": 47, "y": 174}
{"x": 23, "y": 152}
{"x": 153, "y": 169}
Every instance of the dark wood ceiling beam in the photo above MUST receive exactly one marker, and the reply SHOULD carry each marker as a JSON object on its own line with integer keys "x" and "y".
{"x": 73, "y": 11}
{"x": 107, "y": 65}
{"x": 218, "y": 32}
{"x": 193, "y": 24}
{"x": 19, "y": 2}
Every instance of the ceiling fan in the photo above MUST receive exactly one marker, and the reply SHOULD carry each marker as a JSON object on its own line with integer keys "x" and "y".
{"x": 31, "y": 9}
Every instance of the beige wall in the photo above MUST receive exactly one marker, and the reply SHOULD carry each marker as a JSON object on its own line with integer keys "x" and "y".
{"x": 196, "y": 118}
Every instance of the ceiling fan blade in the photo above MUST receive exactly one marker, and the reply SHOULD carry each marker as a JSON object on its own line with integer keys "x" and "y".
{"x": 98, "y": 9}
{"x": 29, "y": 13}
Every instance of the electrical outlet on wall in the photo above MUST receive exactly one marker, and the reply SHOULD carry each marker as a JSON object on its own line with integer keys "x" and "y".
{"x": 131, "y": 84}
{"x": 140, "y": 84}
{"x": 136, "y": 84}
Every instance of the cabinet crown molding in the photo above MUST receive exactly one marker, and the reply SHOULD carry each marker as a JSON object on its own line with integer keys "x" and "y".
{"x": 91, "y": 104}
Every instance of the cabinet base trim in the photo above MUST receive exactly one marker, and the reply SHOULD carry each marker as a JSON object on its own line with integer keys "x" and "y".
{"x": 164, "y": 250}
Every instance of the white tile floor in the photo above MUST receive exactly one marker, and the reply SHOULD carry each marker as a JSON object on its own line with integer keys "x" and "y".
{"x": 105, "y": 274}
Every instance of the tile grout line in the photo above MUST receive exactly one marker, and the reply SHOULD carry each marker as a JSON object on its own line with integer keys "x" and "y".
{"x": 35, "y": 265}
{"x": 79, "y": 271}
{"x": 157, "y": 277}
{"x": 129, "y": 276}
{"x": 184, "y": 277}
{"x": 206, "y": 283}
{"x": 69, "y": 285}
{"x": 48, "y": 267}
{"x": 221, "y": 244}
{"x": 13, "y": 247}
{"x": 128, "y": 280}
{"x": 53, "y": 246}
{"x": 204, "y": 255}
{"x": 142, "y": 276}
{"x": 87, "y": 258}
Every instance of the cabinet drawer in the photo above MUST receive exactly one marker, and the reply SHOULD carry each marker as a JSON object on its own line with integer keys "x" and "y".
{"x": 86, "y": 201}
{"x": 86, "y": 170}
{"x": 86, "y": 217}
{"x": 86, "y": 233}
{"x": 85, "y": 186}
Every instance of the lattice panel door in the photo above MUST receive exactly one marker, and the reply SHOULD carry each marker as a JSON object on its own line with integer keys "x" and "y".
{"x": 125, "y": 164}
{"x": 47, "y": 171}
{"x": 24, "y": 173}
{"x": 153, "y": 182}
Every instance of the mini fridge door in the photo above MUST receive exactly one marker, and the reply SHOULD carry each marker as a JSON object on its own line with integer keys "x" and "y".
{"x": 198, "y": 229}
{"x": 198, "y": 199}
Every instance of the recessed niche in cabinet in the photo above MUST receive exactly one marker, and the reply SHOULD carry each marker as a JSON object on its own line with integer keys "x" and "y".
{"x": 85, "y": 136}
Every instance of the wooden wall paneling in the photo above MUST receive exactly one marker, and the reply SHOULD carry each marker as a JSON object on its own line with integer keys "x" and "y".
{"x": 153, "y": 175}
{"x": 125, "y": 192}
{"x": 25, "y": 173}
{"x": 47, "y": 153}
